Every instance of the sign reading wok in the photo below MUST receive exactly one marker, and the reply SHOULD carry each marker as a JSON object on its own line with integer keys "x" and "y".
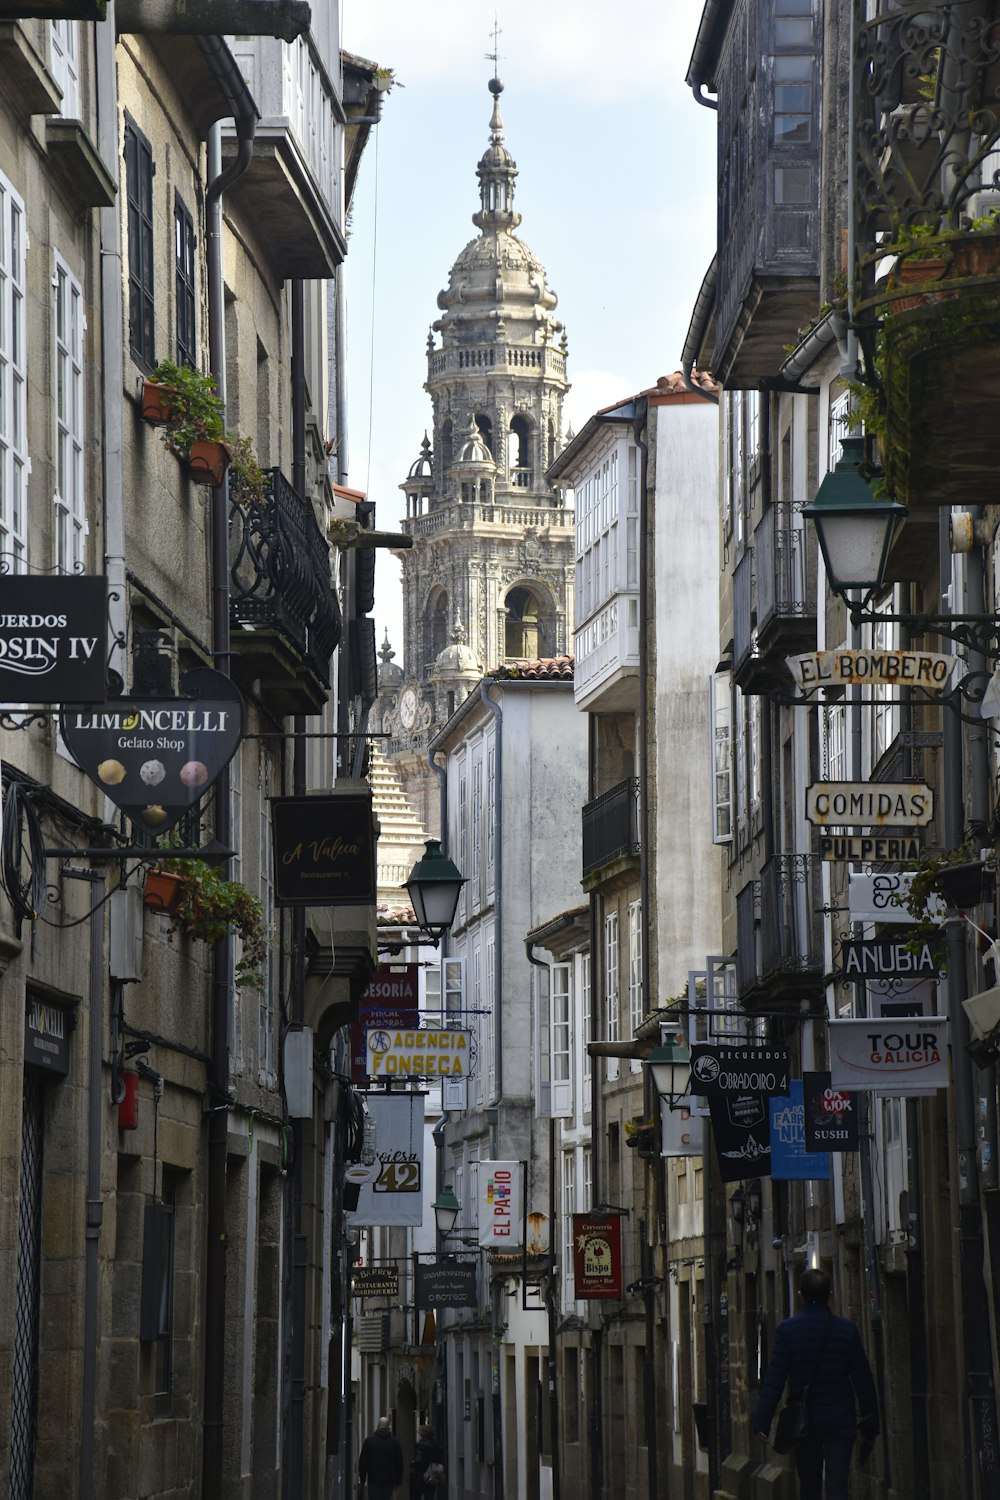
{"x": 880, "y": 803}
{"x": 425, "y": 1053}
{"x": 890, "y": 1056}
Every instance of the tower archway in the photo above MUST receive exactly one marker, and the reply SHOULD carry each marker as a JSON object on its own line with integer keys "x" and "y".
{"x": 435, "y": 624}
{"x": 529, "y": 623}
{"x": 521, "y": 467}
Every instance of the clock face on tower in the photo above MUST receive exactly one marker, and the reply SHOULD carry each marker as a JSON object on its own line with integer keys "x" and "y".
{"x": 407, "y": 708}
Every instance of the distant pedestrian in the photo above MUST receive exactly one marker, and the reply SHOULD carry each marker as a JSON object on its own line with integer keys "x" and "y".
{"x": 822, "y": 1359}
{"x": 427, "y": 1468}
{"x": 380, "y": 1462}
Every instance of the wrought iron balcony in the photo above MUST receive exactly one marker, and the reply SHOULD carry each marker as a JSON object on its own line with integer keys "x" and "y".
{"x": 779, "y": 932}
{"x": 611, "y": 826}
{"x": 283, "y": 609}
{"x": 785, "y": 567}
{"x": 926, "y": 97}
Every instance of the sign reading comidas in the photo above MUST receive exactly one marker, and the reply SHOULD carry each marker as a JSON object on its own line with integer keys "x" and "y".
{"x": 324, "y": 850}
{"x": 156, "y": 757}
{"x": 597, "y": 1257}
{"x": 52, "y": 639}
{"x": 869, "y": 803}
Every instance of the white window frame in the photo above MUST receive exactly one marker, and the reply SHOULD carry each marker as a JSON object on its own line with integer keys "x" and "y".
{"x": 15, "y": 464}
{"x": 721, "y": 725}
{"x": 477, "y": 831}
{"x": 68, "y": 324}
{"x": 450, "y": 980}
{"x": 64, "y": 36}
{"x": 561, "y": 1040}
{"x": 569, "y": 1208}
{"x": 463, "y": 836}
{"x": 611, "y": 988}
{"x": 586, "y": 1002}
{"x": 491, "y": 803}
{"x": 636, "y": 1004}
{"x": 541, "y": 985}
{"x": 489, "y": 1002}
{"x": 476, "y": 994}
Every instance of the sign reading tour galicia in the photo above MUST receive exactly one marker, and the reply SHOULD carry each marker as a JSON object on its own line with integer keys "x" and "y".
{"x": 889, "y": 1056}
{"x": 52, "y": 633}
{"x": 324, "y": 850}
{"x": 156, "y": 757}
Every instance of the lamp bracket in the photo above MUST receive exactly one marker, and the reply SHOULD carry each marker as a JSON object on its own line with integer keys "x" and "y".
{"x": 977, "y": 633}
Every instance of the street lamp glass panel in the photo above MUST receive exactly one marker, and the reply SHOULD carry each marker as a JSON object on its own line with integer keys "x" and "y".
{"x": 670, "y": 1066}
{"x": 434, "y": 887}
{"x": 854, "y": 529}
{"x": 446, "y": 1210}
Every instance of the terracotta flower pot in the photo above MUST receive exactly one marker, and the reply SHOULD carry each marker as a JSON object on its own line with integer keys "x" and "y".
{"x": 208, "y": 462}
{"x": 155, "y": 404}
{"x": 909, "y": 272}
{"x": 162, "y": 890}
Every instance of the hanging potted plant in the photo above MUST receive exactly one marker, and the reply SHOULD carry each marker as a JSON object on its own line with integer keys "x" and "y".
{"x": 207, "y": 906}
{"x": 161, "y": 890}
{"x": 252, "y": 481}
{"x": 186, "y": 404}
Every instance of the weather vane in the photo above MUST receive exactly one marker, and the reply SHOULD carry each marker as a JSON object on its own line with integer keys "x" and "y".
{"x": 494, "y": 56}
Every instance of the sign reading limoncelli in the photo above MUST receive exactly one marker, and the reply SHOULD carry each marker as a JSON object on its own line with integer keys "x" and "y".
{"x": 324, "y": 850}
{"x": 52, "y": 639}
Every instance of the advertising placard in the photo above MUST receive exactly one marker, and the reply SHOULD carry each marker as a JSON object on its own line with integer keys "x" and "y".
{"x": 47, "y": 1030}
{"x": 882, "y": 898}
{"x": 886, "y": 958}
{"x": 889, "y": 1056}
{"x": 869, "y": 848}
{"x": 791, "y": 1159}
{"x": 375, "y": 1281}
{"x": 156, "y": 757}
{"x": 391, "y": 1188}
{"x": 717, "y": 1068}
{"x": 680, "y": 1131}
{"x": 447, "y": 1283}
{"x": 597, "y": 1257}
{"x": 52, "y": 638}
{"x": 390, "y": 1000}
{"x": 501, "y": 1205}
{"x": 742, "y": 1135}
{"x": 889, "y": 804}
{"x": 831, "y": 1115}
{"x": 324, "y": 849}
{"x": 428, "y": 1052}
{"x": 846, "y": 666}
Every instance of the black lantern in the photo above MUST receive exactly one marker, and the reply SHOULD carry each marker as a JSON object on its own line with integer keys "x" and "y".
{"x": 446, "y": 1210}
{"x": 670, "y": 1065}
{"x": 434, "y": 886}
{"x": 737, "y": 1208}
{"x": 854, "y": 529}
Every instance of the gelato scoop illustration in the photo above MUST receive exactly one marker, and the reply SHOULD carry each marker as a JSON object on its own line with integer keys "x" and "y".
{"x": 154, "y": 815}
{"x": 112, "y": 772}
{"x": 152, "y": 772}
{"x": 194, "y": 773}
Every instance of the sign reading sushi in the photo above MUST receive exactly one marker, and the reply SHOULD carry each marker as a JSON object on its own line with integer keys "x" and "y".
{"x": 156, "y": 757}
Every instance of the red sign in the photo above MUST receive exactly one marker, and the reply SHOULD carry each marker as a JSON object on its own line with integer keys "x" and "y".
{"x": 597, "y": 1256}
{"x": 390, "y": 1000}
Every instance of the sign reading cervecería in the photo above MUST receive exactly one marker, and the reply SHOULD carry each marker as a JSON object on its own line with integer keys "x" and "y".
{"x": 894, "y": 803}
{"x": 869, "y": 848}
{"x": 156, "y": 757}
{"x": 597, "y": 1257}
{"x": 893, "y": 668}
{"x": 52, "y": 639}
{"x": 324, "y": 850}
{"x": 427, "y": 1053}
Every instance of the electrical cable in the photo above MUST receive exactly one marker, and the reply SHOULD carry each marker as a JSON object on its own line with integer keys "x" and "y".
{"x": 26, "y": 896}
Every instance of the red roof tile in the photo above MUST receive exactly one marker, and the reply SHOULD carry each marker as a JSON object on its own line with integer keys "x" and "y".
{"x": 542, "y": 669}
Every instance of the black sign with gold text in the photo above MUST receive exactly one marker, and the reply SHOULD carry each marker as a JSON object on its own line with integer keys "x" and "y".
{"x": 324, "y": 849}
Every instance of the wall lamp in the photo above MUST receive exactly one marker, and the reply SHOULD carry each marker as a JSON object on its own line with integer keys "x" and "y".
{"x": 855, "y": 532}
{"x": 433, "y": 886}
{"x": 670, "y": 1065}
{"x": 446, "y": 1211}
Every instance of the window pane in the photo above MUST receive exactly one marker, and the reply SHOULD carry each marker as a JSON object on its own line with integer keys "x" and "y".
{"x": 795, "y": 68}
{"x": 793, "y": 33}
{"x": 792, "y": 185}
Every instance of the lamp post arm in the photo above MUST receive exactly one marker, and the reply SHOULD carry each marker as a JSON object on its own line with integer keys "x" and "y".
{"x": 974, "y": 632}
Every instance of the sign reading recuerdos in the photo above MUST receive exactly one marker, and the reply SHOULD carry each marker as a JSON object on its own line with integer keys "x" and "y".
{"x": 52, "y": 633}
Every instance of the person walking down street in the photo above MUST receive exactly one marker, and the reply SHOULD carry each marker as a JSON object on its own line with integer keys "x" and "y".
{"x": 428, "y": 1459}
{"x": 380, "y": 1462}
{"x": 823, "y": 1361}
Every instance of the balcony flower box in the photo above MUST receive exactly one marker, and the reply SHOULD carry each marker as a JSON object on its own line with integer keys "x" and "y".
{"x": 155, "y": 403}
{"x": 207, "y": 462}
{"x": 162, "y": 890}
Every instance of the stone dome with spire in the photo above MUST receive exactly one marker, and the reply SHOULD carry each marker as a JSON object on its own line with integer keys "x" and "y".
{"x": 458, "y": 658}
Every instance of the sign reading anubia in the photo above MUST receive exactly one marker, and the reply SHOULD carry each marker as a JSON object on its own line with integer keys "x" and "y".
{"x": 885, "y": 803}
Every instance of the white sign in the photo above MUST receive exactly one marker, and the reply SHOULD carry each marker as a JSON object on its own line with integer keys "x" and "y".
{"x": 837, "y": 668}
{"x": 883, "y": 803}
{"x": 391, "y": 1185}
{"x": 889, "y": 1056}
{"x": 882, "y": 898}
{"x": 501, "y": 1205}
{"x": 393, "y": 1053}
{"x": 681, "y": 1131}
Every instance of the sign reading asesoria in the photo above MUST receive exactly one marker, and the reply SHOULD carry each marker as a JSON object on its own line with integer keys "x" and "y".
{"x": 889, "y": 1056}
{"x": 418, "y": 1054}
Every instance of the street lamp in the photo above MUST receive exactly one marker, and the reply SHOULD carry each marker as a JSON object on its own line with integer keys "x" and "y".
{"x": 446, "y": 1210}
{"x": 737, "y": 1207}
{"x": 670, "y": 1065}
{"x": 854, "y": 530}
{"x": 434, "y": 886}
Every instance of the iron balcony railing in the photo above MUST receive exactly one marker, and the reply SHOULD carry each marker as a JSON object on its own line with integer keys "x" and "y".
{"x": 781, "y": 564}
{"x": 779, "y": 928}
{"x": 611, "y": 825}
{"x": 280, "y": 570}
{"x": 743, "y": 641}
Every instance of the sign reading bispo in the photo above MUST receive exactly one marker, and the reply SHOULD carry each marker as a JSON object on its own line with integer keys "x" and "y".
{"x": 418, "y": 1054}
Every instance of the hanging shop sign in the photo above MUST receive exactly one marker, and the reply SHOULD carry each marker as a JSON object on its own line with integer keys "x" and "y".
{"x": 845, "y": 667}
{"x": 717, "y": 1069}
{"x": 597, "y": 1257}
{"x": 889, "y": 1056}
{"x": 52, "y": 633}
{"x": 156, "y": 757}
{"x": 792, "y": 1160}
{"x": 375, "y": 1281}
{"x": 447, "y": 1283}
{"x": 391, "y": 1187}
{"x": 391, "y": 1000}
{"x": 501, "y": 1205}
{"x": 886, "y": 958}
{"x": 427, "y": 1053}
{"x": 680, "y": 1131}
{"x": 831, "y": 1115}
{"x": 869, "y": 848}
{"x": 742, "y": 1134}
{"x": 324, "y": 849}
{"x": 902, "y": 804}
{"x": 47, "y": 1030}
{"x": 882, "y": 898}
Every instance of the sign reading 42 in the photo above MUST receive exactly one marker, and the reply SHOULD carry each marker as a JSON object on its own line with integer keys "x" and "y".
{"x": 398, "y": 1177}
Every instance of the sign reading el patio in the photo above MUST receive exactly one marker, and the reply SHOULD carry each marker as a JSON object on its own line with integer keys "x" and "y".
{"x": 324, "y": 850}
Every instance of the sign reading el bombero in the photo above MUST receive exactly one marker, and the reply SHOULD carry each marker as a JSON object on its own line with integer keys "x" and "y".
{"x": 324, "y": 850}
{"x": 52, "y": 633}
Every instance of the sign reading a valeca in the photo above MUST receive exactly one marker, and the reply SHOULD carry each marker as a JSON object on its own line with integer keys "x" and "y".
{"x": 885, "y": 803}
{"x": 914, "y": 668}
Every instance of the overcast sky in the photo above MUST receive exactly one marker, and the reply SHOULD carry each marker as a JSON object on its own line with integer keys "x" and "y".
{"x": 616, "y": 188}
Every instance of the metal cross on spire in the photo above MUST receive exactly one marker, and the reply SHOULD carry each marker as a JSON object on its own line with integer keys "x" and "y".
{"x": 494, "y": 56}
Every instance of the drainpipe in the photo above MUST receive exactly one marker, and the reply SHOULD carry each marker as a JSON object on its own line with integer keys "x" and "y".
{"x": 495, "y": 710}
{"x": 244, "y": 113}
{"x": 551, "y": 1308}
{"x": 697, "y": 329}
{"x": 113, "y": 346}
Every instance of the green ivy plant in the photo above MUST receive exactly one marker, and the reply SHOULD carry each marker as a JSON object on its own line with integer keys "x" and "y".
{"x": 195, "y": 407}
{"x": 208, "y": 905}
{"x": 926, "y": 873}
{"x": 245, "y": 467}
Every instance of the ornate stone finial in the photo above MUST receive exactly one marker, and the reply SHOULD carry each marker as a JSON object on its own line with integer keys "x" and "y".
{"x": 386, "y": 652}
{"x": 458, "y": 632}
{"x": 430, "y": 340}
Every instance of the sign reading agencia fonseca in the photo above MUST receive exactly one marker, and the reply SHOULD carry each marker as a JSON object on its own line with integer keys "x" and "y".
{"x": 156, "y": 757}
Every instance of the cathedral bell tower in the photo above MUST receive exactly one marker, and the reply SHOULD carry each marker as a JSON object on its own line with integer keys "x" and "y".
{"x": 493, "y": 543}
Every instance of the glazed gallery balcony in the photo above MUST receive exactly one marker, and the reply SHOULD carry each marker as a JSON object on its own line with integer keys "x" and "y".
{"x": 611, "y": 828}
{"x": 774, "y": 594}
{"x": 283, "y": 611}
{"x": 926, "y": 86}
{"x": 779, "y": 927}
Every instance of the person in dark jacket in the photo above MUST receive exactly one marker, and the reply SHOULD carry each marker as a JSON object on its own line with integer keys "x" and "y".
{"x": 843, "y": 1399}
{"x": 426, "y": 1451}
{"x": 380, "y": 1462}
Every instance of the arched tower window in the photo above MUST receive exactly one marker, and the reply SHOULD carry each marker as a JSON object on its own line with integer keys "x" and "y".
{"x": 446, "y": 453}
{"x": 485, "y": 425}
{"x": 520, "y": 452}
{"x": 435, "y": 627}
{"x": 552, "y": 443}
{"x": 522, "y": 627}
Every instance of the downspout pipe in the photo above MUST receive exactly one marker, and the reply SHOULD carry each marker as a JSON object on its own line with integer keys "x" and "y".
{"x": 245, "y": 115}
{"x": 495, "y": 710}
{"x": 113, "y": 350}
{"x": 697, "y": 329}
